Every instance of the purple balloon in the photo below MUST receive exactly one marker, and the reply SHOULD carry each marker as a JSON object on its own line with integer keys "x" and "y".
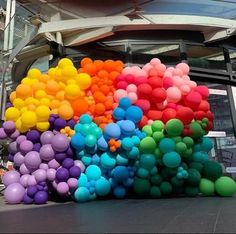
{"x": 33, "y": 136}
{"x": 9, "y": 127}
{"x": 24, "y": 180}
{"x": 26, "y": 146}
{"x": 20, "y": 139}
{"x": 40, "y": 187}
{"x": 43, "y": 166}
{"x": 62, "y": 174}
{"x": 68, "y": 163}
{"x": 51, "y": 174}
{"x": 80, "y": 164}
{"x": 70, "y": 152}
{"x": 27, "y": 200}
{"x": 75, "y": 172}
{"x": 32, "y": 181}
{"x": 60, "y": 143}
{"x": 71, "y": 123}
{"x": 41, "y": 197}
{"x": 11, "y": 177}
{"x": 18, "y": 159}
{"x": 12, "y": 148}
{"x": 8, "y": 105}
{"x": 32, "y": 160}
{"x": 60, "y": 157}
{"x": 37, "y": 147}
{"x": 31, "y": 190}
{"x": 59, "y": 124}
{"x": 3, "y": 135}
{"x": 10, "y": 157}
{"x": 46, "y": 152}
{"x": 42, "y": 183}
{"x": 73, "y": 183}
{"x": 54, "y": 184}
{"x": 24, "y": 170}
{"x": 46, "y": 137}
{"x": 62, "y": 188}
{"x": 40, "y": 175}
{"x": 14, "y": 135}
{"x": 14, "y": 193}
{"x": 51, "y": 120}
{"x": 53, "y": 164}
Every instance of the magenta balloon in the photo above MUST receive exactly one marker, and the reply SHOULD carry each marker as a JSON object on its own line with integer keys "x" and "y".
{"x": 18, "y": 159}
{"x": 14, "y": 193}
{"x": 31, "y": 180}
{"x": 24, "y": 170}
{"x": 24, "y": 180}
{"x": 60, "y": 142}
{"x": 3, "y": 134}
{"x": 12, "y": 148}
{"x": 73, "y": 183}
{"x": 11, "y": 177}
{"x": 26, "y": 146}
{"x": 62, "y": 188}
{"x": 43, "y": 166}
{"x": 79, "y": 164}
{"x": 51, "y": 174}
{"x": 53, "y": 164}
{"x": 9, "y": 127}
{"x": 14, "y": 135}
{"x": 20, "y": 139}
{"x": 32, "y": 160}
{"x": 40, "y": 175}
{"x": 46, "y": 137}
{"x": 46, "y": 152}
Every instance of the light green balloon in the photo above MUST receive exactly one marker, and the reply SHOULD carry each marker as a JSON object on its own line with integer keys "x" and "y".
{"x": 225, "y": 186}
{"x": 157, "y": 125}
{"x": 206, "y": 187}
{"x": 147, "y": 129}
{"x": 157, "y": 136}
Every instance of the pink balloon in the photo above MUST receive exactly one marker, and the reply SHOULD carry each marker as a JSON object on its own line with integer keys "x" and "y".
{"x": 167, "y": 82}
{"x": 140, "y": 80}
{"x": 155, "y": 61}
{"x": 126, "y": 71}
{"x": 120, "y": 78}
{"x": 177, "y": 72}
{"x": 133, "y": 96}
{"x": 185, "y": 77}
{"x": 120, "y": 93}
{"x": 192, "y": 84}
{"x": 170, "y": 69}
{"x": 184, "y": 67}
{"x": 62, "y": 188}
{"x": 168, "y": 74}
{"x": 147, "y": 67}
{"x": 161, "y": 67}
{"x": 185, "y": 89}
{"x": 121, "y": 85}
{"x": 141, "y": 73}
{"x": 73, "y": 183}
{"x": 178, "y": 82}
{"x": 161, "y": 106}
{"x": 131, "y": 88}
{"x": 173, "y": 94}
{"x": 172, "y": 105}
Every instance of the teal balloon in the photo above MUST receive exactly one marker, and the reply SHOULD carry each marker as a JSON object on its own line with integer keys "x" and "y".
{"x": 82, "y": 194}
{"x": 147, "y": 129}
{"x": 176, "y": 182}
{"x": 78, "y": 127}
{"x": 93, "y": 172}
{"x": 206, "y": 144}
{"x": 155, "y": 192}
{"x": 194, "y": 177}
{"x": 136, "y": 140}
{"x": 171, "y": 159}
{"x": 174, "y": 127}
{"x": 90, "y": 140}
{"x": 167, "y": 145}
{"x": 142, "y": 187}
{"x": 156, "y": 179}
{"x": 147, "y": 145}
{"x": 157, "y": 125}
{"x": 133, "y": 153}
{"x": 154, "y": 171}
{"x": 86, "y": 160}
{"x": 97, "y": 132}
{"x": 143, "y": 173}
{"x": 127, "y": 143}
{"x": 121, "y": 160}
{"x": 83, "y": 180}
{"x": 107, "y": 161}
{"x": 85, "y": 129}
{"x": 198, "y": 157}
{"x": 167, "y": 173}
{"x": 147, "y": 161}
{"x": 102, "y": 187}
{"x": 85, "y": 119}
{"x": 166, "y": 188}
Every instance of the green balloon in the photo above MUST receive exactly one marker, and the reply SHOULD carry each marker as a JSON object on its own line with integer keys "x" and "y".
{"x": 197, "y": 130}
{"x": 147, "y": 161}
{"x": 177, "y": 139}
{"x": 157, "y": 136}
{"x": 206, "y": 187}
{"x": 155, "y": 192}
{"x": 191, "y": 191}
{"x": 212, "y": 170}
{"x": 174, "y": 127}
{"x": 157, "y": 125}
{"x": 168, "y": 173}
{"x": 225, "y": 186}
{"x": 180, "y": 148}
{"x": 205, "y": 120}
{"x": 194, "y": 177}
{"x": 141, "y": 186}
{"x": 196, "y": 165}
{"x": 147, "y": 129}
{"x": 143, "y": 173}
{"x": 166, "y": 188}
{"x": 177, "y": 182}
{"x": 156, "y": 179}
{"x": 158, "y": 154}
{"x": 188, "y": 141}
{"x": 187, "y": 153}
{"x": 147, "y": 145}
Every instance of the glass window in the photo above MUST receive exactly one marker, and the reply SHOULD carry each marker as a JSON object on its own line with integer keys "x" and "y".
{"x": 232, "y": 56}
{"x": 42, "y": 64}
{"x": 206, "y": 57}
{"x": 142, "y": 53}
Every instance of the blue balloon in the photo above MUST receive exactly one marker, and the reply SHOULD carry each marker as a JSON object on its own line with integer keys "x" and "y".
{"x": 134, "y": 114}
{"x": 95, "y": 159}
{"x": 78, "y": 141}
{"x": 120, "y": 173}
{"x": 125, "y": 103}
{"x": 93, "y": 172}
{"x": 83, "y": 180}
{"x": 85, "y": 119}
{"x": 127, "y": 143}
{"x": 129, "y": 182}
{"x": 119, "y": 192}
{"x": 82, "y": 194}
{"x": 102, "y": 144}
{"x": 167, "y": 145}
{"x": 127, "y": 127}
{"x": 102, "y": 187}
{"x": 119, "y": 113}
{"x": 112, "y": 130}
{"x": 171, "y": 159}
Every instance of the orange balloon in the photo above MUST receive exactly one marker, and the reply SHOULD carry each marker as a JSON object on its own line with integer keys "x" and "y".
{"x": 85, "y": 61}
{"x": 12, "y": 96}
{"x": 108, "y": 104}
{"x": 113, "y": 75}
{"x": 90, "y": 68}
{"x": 99, "y": 97}
{"x": 103, "y": 74}
{"x": 52, "y": 87}
{"x": 80, "y": 70}
{"x": 109, "y": 65}
{"x": 23, "y": 91}
{"x": 65, "y": 112}
{"x": 99, "y": 108}
{"x": 60, "y": 95}
{"x": 44, "y": 78}
{"x": 38, "y": 86}
{"x": 80, "y": 107}
{"x": 54, "y": 104}
{"x": 119, "y": 63}
{"x": 105, "y": 89}
{"x": 99, "y": 64}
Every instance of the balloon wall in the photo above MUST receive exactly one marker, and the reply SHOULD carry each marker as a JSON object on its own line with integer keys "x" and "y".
{"x": 105, "y": 130}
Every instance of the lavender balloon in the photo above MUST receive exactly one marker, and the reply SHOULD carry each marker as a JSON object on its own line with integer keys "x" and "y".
{"x": 12, "y": 148}
{"x": 43, "y": 166}
{"x": 24, "y": 170}
{"x": 62, "y": 188}
{"x": 32, "y": 160}
{"x": 80, "y": 164}
{"x": 46, "y": 152}
{"x": 14, "y": 135}
{"x": 72, "y": 183}
{"x": 53, "y": 164}
{"x": 46, "y": 137}
{"x": 40, "y": 175}
{"x": 3, "y": 134}
{"x": 32, "y": 181}
{"x": 60, "y": 143}
{"x": 9, "y": 127}
{"x": 20, "y": 139}
{"x": 18, "y": 159}
{"x": 14, "y": 193}
{"x": 24, "y": 180}
{"x": 51, "y": 174}
{"x": 26, "y": 146}
{"x": 11, "y": 177}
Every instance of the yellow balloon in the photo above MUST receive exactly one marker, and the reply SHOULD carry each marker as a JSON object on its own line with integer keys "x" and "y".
{"x": 52, "y": 72}
{"x": 12, "y": 113}
{"x": 69, "y": 71}
{"x": 18, "y": 103}
{"x": 54, "y": 104}
{"x": 83, "y": 80}
{"x": 71, "y": 81}
{"x": 65, "y": 62}
{"x": 19, "y": 126}
{"x": 26, "y": 81}
{"x": 29, "y": 101}
{"x": 34, "y": 73}
{"x": 42, "y": 126}
{"x": 42, "y": 113}
{"x": 40, "y": 94}
{"x": 31, "y": 107}
{"x": 54, "y": 111}
{"x": 23, "y": 109}
{"x": 72, "y": 91}
{"x": 29, "y": 119}
{"x": 58, "y": 74}
{"x": 45, "y": 101}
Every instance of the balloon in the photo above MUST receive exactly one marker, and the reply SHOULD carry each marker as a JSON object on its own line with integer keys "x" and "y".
{"x": 159, "y": 95}
{"x": 193, "y": 100}
{"x": 26, "y": 146}
{"x": 41, "y": 197}
{"x": 206, "y": 187}
{"x": 93, "y": 172}
{"x": 33, "y": 136}
{"x": 12, "y": 113}
{"x": 62, "y": 188}
{"x": 14, "y": 193}
{"x": 225, "y": 186}
{"x": 147, "y": 145}
{"x": 75, "y": 171}
{"x": 212, "y": 170}
{"x": 112, "y": 130}
{"x": 40, "y": 175}
{"x": 102, "y": 187}
{"x": 60, "y": 143}
{"x": 32, "y": 160}
{"x": 62, "y": 174}
{"x": 82, "y": 194}
{"x": 171, "y": 159}
{"x": 11, "y": 177}
{"x": 142, "y": 186}
{"x": 165, "y": 188}
{"x": 147, "y": 161}
{"x": 46, "y": 137}
{"x": 185, "y": 114}
{"x": 183, "y": 67}
{"x": 174, "y": 127}
{"x": 134, "y": 114}
{"x": 166, "y": 145}
{"x": 46, "y": 152}
{"x": 173, "y": 94}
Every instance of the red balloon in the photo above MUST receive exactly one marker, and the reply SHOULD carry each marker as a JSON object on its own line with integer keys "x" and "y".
{"x": 129, "y": 79}
{"x": 140, "y": 80}
{"x": 143, "y": 104}
{"x": 209, "y": 126}
{"x": 167, "y": 83}
{"x": 171, "y": 105}
{"x": 153, "y": 72}
{"x": 144, "y": 90}
{"x": 199, "y": 115}
{"x": 122, "y": 85}
{"x": 143, "y": 121}
{"x": 168, "y": 114}
{"x": 155, "y": 82}
{"x": 120, "y": 78}
{"x": 204, "y": 106}
{"x": 154, "y": 114}
{"x": 158, "y": 95}
{"x": 193, "y": 100}
{"x": 203, "y": 90}
{"x": 185, "y": 114}
{"x": 209, "y": 115}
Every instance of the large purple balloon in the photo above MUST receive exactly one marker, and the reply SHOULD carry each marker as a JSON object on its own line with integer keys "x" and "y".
{"x": 14, "y": 193}
{"x": 32, "y": 160}
{"x": 41, "y": 197}
{"x": 71, "y": 123}
{"x": 68, "y": 163}
{"x": 9, "y": 127}
{"x": 18, "y": 159}
{"x": 31, "y": 190}
{"x": 11, "y": 177}
{"x": 3, "y": 134}
{"x": 37, "y": 147}
{"x": 59, "y": 124}
{"x": 33, "y": 136}
{"x": 60, "y": 142}
{"x": 60, "y": 157}
{"x": 27, "y": 199}
{"x": 62, "y": 174}
{"x": 46, "y": 137}
{"x": 75, "y": 172}
{"x": 26, "y": 146}
{"x": 46, "y": 152}
{"x": 40, "y": 175}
